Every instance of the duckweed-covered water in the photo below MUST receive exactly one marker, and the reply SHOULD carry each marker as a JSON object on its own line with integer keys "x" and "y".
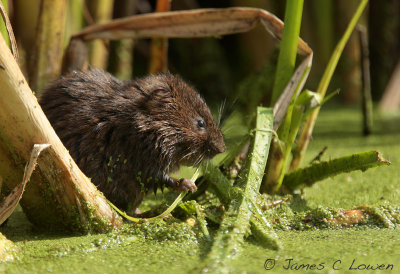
{"x": 173, "y": 247}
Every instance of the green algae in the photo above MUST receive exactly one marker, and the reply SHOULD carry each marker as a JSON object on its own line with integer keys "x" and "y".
{"x": 160, "y": 230}
{"x": 287, "y": 216}
{"x": 136, "y": 247}
{"x": 173, "y": 246}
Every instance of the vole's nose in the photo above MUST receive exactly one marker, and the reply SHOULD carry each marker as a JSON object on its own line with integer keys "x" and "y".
{"x": 219, "y": 147}
{"x": 222, "y": 149}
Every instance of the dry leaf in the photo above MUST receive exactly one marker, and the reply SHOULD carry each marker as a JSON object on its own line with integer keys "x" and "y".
{"x": 11, "y": 201}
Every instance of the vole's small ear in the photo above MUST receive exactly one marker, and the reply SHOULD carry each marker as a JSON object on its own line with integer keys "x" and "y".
{"x": 161, "y": 90}
{"x": 160, "y": 93}
{"x": 155, "y": 99}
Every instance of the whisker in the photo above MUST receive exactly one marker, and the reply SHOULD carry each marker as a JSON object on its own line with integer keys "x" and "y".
{"x": 199, "y": 159}
{"x": 220, "y": 111}
{"x": 189, "y": 154}
{"x": 206, "y": 169}
{"x": 228, "y": 129}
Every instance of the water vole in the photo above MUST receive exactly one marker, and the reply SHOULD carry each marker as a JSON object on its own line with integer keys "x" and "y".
{"x": 128, "y": 135}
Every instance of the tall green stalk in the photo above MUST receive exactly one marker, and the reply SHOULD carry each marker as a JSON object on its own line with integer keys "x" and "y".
{"x": 285, "y": 69}
{"x": 74, "y": 17}
{"x": 323, "y": 12}
{"x": 306, "y": 132}
{"x": 288, "y": 48}
{"x": 280, "y": 149}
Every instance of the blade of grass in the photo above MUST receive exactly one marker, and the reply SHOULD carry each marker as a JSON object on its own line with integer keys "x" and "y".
{"x": 165, "y": 213}
{"x": 235, "y": 225}
{"x": 306, "y": 132}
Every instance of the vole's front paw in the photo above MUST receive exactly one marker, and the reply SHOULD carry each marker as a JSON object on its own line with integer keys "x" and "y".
{"x": 183, "y": 184}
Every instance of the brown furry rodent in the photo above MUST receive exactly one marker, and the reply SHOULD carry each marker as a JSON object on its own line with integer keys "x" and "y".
{"x": 128, "y": 135}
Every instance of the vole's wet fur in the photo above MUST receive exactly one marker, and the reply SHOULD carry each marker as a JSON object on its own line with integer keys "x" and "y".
{"x": 128, "y": 135}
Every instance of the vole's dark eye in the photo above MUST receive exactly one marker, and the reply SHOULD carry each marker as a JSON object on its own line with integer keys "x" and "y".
{"x": 201, "y": 123}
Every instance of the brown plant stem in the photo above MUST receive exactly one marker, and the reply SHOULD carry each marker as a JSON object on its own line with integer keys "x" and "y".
{"x": 159, "y": 46}
{"x": 366, "y": 103}
{"x": 58, "y": 195}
